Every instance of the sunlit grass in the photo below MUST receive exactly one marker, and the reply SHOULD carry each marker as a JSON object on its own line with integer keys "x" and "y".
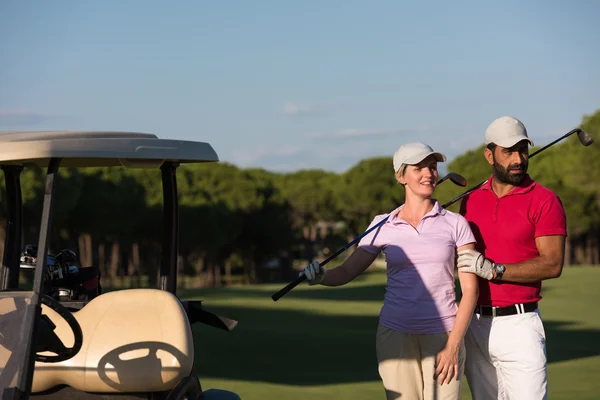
{"x": 319, "y": 343}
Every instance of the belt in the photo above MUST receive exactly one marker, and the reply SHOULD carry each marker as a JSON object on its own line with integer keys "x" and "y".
{"x": 489, "y": 311}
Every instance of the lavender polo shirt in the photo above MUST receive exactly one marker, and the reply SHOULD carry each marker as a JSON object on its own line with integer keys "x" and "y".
{"x": 419, "y": 294}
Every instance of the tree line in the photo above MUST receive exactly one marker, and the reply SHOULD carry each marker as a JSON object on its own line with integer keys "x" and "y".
{"x": 251, "y": 225}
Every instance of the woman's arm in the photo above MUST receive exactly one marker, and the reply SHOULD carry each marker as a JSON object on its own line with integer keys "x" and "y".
{"x": 447, "y": 359}
{"x": 470, "y": 293}
{"x": 356, "y": 264}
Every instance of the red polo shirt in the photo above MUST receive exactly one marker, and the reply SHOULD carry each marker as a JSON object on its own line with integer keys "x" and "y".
{"x": 506, "y": 228}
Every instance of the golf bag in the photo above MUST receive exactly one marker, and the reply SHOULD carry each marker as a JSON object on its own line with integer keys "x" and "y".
{"x": 64, "y": 280}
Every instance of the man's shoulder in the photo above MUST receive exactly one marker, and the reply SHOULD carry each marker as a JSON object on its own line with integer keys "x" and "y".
{"x": 546, "y": 206}
{"x": 482, "y": 189}
{"x": 480, "y": 194}
{"x": 542, "y": 191}
{"x": 477, "y": 193}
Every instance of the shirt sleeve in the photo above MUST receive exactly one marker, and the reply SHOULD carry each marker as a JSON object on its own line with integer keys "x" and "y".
{"x": 550, "y": 218}
{"x": 464, "y": 234}
{"x": 372, "y": 242}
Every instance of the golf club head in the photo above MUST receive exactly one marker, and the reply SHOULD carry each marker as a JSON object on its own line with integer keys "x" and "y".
{"x": 457, "y": 179}
{"x": 585, "y": 138}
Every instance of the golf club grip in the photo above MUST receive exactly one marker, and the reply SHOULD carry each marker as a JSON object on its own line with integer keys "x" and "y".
{"x": 302, "y": 277}
{"x": 288, "y": 287}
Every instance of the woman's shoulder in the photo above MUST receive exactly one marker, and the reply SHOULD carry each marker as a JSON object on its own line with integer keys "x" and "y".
{"x": 454, "y": 217}
{"x": 380, "y": 217}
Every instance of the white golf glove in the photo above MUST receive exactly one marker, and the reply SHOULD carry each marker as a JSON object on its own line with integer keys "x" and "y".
{"x": 314, "y": 273}
{"x": 474, "y": 262}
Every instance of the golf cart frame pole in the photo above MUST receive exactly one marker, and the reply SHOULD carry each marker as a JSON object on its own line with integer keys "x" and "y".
{"x": 9, "y": 276}
{"x": 34, "y": 315}
{"x": 168, "y": 263}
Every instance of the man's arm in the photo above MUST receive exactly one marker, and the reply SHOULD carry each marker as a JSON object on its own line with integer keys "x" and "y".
{"x": 547, "y": 265}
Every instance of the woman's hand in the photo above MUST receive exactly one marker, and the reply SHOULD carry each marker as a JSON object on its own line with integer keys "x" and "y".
{"x": 446, "y": 364}
{"x": 314, "y": 273}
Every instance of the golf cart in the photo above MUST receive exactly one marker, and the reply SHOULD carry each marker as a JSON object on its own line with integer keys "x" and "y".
{"x": 124, "y": 344}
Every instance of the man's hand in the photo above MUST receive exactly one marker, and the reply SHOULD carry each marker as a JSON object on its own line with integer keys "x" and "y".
{"x": 314, "y": 273}
{"x": 474, "y": 262}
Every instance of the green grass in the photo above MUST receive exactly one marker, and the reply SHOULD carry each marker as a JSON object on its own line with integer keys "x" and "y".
{"x": 319, "y": 343}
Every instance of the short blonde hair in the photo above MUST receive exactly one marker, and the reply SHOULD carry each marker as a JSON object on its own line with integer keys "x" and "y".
{"x": 402, "y": 169}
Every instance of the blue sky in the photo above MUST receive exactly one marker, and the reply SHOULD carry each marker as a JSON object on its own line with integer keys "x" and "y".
{"x": 286, "y": 85}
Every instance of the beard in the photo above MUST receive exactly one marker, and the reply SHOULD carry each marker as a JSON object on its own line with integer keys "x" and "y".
{"x": 505, "y": 176}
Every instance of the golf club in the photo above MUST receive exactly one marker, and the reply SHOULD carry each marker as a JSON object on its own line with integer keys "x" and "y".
{"x": 457, "y": 179}
{"x": 452, "y": 176}
{"x": 585, "y": 138}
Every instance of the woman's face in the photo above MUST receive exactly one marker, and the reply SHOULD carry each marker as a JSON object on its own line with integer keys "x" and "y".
{"x": 421, "y": 178}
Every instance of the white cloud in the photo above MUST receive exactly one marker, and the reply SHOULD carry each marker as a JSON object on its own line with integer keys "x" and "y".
{"x": 361, "y": 132}
{"x": 17, "y": 117}
{"x": 246, "y": 157}
{"x": 320, "y": 153}
{"x": 459, "y": 144}
{"x": 303, "y": 110}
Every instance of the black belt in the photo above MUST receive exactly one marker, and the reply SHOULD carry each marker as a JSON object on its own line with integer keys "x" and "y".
{"x": 489, "y": 311}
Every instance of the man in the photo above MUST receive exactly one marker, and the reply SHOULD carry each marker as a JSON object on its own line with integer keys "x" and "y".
{"x": 520, "y": 227}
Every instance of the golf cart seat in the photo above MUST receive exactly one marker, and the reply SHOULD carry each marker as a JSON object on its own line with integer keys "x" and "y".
{"x": 136, "y": 340}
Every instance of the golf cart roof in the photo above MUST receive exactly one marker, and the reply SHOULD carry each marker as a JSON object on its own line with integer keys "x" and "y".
{"x": 99, "y": 149}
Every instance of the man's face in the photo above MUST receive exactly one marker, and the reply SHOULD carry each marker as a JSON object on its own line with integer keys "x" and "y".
{"x": 510, "y": 164}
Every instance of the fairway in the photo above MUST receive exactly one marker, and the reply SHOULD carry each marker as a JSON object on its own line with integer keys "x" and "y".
{"x": 319, "y": 343}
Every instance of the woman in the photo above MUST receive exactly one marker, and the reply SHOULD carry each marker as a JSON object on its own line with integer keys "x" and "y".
{"x": 420, "y": 335}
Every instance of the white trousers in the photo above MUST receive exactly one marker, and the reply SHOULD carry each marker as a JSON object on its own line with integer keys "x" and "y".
{"x": 506, "y": 357}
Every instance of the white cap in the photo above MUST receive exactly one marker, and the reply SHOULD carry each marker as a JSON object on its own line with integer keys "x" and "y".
{"x": 506, "y": 132}
{"x": 413, "y": 153}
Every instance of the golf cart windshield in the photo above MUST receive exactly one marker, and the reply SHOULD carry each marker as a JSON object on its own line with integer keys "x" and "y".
{"x": 13, "y": 340}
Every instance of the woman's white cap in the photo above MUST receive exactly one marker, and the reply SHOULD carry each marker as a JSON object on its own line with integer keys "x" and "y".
{"x": 413, "y": 153}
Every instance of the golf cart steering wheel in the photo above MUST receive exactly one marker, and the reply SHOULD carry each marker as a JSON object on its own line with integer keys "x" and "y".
{"x": 47, "y": 340}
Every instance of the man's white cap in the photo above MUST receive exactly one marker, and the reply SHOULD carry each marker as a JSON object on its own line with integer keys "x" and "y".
{"x": 506, "y": 132}
{"x": 413, "y": 153}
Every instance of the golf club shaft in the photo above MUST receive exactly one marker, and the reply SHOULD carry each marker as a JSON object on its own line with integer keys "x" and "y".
{"x": 468, "y": 192}
{"x": 301, "y": 278}
{"x": 566, "y": 135}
